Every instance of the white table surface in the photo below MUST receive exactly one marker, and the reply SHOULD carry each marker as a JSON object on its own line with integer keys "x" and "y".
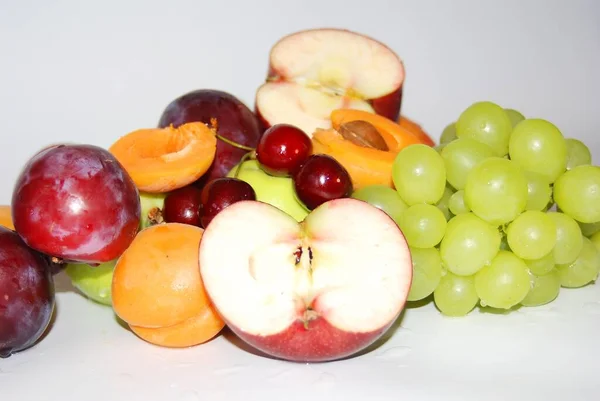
{"x": 83, "y": 72}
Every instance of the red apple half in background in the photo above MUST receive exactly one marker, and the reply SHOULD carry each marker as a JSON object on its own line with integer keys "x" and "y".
{"x": 315, "y": 71}
{"x": 315, "y": 291}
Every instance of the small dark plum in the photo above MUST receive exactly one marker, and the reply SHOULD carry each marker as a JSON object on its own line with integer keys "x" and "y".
{"x": 234, "y": 121}
{"x": 27, "y": 294}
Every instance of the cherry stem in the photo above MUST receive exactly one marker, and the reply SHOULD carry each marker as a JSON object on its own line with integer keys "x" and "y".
{"x": 214, "y": 125}
{"x": 234, "y": 144}
{"x": 247, "y": 156}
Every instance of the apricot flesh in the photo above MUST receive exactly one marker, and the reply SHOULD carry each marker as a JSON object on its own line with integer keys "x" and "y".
{"x": 158, "y": 291}
{"x": 161, "y": 160}
{"x": 366, "y": 165}
{"x": 6, "y": 217}
{"x": 416, "y": 130}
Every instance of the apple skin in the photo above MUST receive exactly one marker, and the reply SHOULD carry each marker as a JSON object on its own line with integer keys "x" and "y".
{"x": 94, "y": 282}
{"x": 298, "y": 60}
{"x": 276, "y": 191}
{"x": 346, "y": 288}
{"x": 320, "y": 342}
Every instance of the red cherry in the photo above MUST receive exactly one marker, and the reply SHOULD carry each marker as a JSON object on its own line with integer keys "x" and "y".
{"x": 220, "y": 193}
{"x": 321, "y": 178}
{"x": 282, "y": 149}
{"x": 183, "y": 206}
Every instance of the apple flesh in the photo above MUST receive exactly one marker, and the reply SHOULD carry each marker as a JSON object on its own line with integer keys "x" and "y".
{"x": 274, "y": 190}
{"x": 315, "y": 291}
{"x": 313, "y": 72}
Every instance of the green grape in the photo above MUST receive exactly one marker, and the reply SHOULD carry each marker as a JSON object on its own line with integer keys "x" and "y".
{"x": 460, "y": 156}
{"x": 583, "y": 270}
{"x": 578, "y": 154}
{"x": 569, "y": 240}
{"x": 384, "y": 198}
{"x": 541, "y": 266}
{"x": 423, "y": 225}
{"x": 496, "y": 190}
{"x": 448, "y": 134}
{"x": 596, "y": 240}
{"x": 455, "y": 295}
{"x": 504, "y": 282}
{"x": 438, "y": 148}
{"x": 577, "y": 193}
{"x": 531, "y": 235}
{"x": 589, "y": 229}
{"x": 442, "y": 204}
{"x": 539, "y": 192}
{"x": 419, "y": 174}
{"x": 427, "y": 272}
{"x": 488, "y": 123}
{"x": 539, "y": 146}
{"x": 544, "y": 289}
{"x": 456, "y": 203}
{"x": 514, "y": 116}
{"x": 469, "y": 244}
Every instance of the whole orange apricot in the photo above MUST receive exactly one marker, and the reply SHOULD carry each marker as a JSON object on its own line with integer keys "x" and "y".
{"x": 158, "y": 291}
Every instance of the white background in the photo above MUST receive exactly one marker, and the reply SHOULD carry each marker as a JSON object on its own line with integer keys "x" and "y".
{"x": 92, "y": 71}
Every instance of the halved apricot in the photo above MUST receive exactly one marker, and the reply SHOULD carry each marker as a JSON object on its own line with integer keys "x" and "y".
{"x": 158, "y": 291}
{"x": 395, "y": 136}
{"x": 366, "y": 166}
{"x": 416, "y": 129}
{"x": 370, "y": 164}
{"x": 6, "y": 217}
{"x": 163, "y": 159}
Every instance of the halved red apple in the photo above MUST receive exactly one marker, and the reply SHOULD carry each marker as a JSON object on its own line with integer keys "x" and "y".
{"x": 313, "y": 72}
{"x": 319, "y": 290}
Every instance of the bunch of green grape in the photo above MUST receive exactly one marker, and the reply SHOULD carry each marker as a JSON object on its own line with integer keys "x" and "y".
{"x": 505, "y": 211}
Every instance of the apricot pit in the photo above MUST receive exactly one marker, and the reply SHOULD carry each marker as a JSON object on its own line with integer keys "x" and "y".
{"x": 369, "y": 150}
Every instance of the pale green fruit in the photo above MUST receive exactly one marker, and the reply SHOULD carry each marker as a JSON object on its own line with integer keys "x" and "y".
{"x": 94, "y": 282}
{"x": 277, "y": 191}
{"x": 150, "y": 201}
